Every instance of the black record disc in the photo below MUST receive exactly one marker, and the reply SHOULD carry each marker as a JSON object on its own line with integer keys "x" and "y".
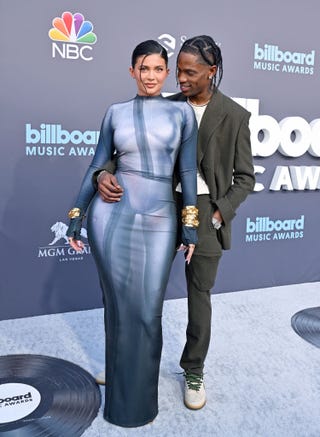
{"x": 45, "y": 396}
{"x": 306, "y": 323}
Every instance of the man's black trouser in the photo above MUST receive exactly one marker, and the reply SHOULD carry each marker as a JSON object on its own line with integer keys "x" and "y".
{"x": 200, "y": 276}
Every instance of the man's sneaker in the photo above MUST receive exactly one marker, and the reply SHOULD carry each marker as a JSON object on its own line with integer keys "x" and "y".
{"x": 101, "y": 378}
{"x": 194, "y": 392}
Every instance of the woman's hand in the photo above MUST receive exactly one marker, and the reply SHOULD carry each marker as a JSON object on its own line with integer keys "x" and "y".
{"x": 77, "y": 245}
{"x": 188, "y": 251}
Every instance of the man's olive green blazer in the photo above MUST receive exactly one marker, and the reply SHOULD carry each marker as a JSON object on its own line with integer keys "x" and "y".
{"x": 224, "y": 157}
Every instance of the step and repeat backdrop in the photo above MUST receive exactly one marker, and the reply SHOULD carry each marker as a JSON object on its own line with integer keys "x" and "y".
{"x": 64, "y": 62}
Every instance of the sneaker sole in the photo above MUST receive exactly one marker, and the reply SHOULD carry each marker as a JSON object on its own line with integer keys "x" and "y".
{"x": 195, "y": 407}
{"x": 100, "y": 382}
{"x": 100, "y": 379}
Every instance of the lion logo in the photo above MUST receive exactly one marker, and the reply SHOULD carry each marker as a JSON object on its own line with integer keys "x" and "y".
{"x": 59, "y": 229}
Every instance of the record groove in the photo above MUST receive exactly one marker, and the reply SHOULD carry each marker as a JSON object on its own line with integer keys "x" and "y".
{"x": 42, "y": 396}
{"x": 306, "y": 323}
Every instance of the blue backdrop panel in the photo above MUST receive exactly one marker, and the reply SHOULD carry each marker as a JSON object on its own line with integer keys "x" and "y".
{"x": 64, "y": 62}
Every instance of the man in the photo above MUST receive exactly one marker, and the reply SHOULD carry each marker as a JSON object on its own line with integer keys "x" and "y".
{"x": 225, "y": 178}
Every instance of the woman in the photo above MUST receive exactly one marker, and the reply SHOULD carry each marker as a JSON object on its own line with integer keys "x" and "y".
{"x": 133, "y": 241}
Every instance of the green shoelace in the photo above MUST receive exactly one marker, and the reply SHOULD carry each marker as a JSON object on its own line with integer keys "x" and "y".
{"x": 193, "y": 380}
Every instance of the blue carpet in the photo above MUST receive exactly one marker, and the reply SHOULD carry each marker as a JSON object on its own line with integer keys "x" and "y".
{"x": 262, "y": 379}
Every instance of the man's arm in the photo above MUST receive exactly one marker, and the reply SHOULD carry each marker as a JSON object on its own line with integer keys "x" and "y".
{"x": 110, "y": 167}
{"x": 106, "y": 183}
{"x": 243, "y": 174}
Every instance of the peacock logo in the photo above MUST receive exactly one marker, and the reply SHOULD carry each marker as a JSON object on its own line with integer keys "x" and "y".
{"x": 72, "y": 28}
{"x": 72, "y": 37}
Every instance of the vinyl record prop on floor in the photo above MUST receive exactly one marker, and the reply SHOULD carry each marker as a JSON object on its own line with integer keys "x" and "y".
{"x": 306, "y": 323}
{"x": 45, "y": 396}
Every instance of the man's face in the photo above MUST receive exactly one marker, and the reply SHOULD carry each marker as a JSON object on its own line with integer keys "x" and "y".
{"x": 194, "y": 77}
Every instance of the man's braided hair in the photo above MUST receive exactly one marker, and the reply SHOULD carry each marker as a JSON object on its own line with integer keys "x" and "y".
{"x": 208, "y": 52}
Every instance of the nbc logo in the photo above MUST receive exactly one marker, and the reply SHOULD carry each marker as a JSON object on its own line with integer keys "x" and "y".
{"x": 72, "y": 35}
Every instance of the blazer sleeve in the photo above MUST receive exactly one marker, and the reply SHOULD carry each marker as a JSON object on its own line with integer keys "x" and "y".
{"x": 243, "y": 173}
{"x": 110, "y": 167}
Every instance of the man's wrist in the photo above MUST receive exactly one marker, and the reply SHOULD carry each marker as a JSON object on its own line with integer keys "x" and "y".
{"x": 216, "y": 223}
{"x": 100, "y": 174}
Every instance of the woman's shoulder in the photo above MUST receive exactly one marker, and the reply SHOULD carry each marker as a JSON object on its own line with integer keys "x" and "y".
{"x": 115, "y": 110}
{"x": 183, "y": 106}
{"x": 179, "y": 104}
{"x": 116, "y": 107}
{"x": 122, "y": 103}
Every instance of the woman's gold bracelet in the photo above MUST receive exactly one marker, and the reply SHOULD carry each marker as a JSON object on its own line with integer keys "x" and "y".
{"x": 190, "y": 216}
{"x": 74, "y": 213}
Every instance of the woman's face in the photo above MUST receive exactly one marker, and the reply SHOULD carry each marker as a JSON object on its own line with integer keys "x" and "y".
{"x": 150, "y": 72}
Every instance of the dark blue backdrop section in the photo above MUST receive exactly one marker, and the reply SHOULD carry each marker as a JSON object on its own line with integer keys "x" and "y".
{"x": 64, "y": 62}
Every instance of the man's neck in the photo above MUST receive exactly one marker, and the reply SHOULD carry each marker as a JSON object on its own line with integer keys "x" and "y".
{"x": 201, "y": 99}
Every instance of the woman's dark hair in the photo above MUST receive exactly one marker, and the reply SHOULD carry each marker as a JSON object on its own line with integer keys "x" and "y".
{"x": 208, "y": 52}
{"x": 149, "y": 47}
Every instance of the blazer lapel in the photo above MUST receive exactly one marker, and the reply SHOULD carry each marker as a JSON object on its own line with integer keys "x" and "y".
{"x": 211, "y": 119}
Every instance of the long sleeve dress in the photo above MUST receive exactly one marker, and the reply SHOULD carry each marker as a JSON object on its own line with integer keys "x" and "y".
{"x": 133, "y": 242}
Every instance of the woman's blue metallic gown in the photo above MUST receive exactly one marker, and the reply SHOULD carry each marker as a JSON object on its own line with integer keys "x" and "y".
{"x": 133, "y": 242}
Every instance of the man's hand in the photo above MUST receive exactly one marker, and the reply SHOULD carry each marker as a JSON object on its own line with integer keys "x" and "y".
{"x": 108, "y": 187}
{"x": 217, "y": 216}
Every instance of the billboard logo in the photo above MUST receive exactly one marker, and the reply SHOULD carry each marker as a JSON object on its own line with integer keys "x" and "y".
{"x": 74, "y": 35}
{"x": 51, "y": 140}
{"x": 266, "y": 229}
{"x": 17, "y": 401}
{"x": 272, "y": 58}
